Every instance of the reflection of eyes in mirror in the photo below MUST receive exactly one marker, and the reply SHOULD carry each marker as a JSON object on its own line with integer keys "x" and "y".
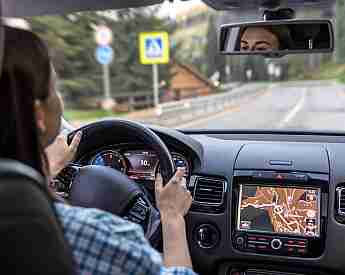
{"x": 259, "y": 46}
{"x": 259, "y": 39}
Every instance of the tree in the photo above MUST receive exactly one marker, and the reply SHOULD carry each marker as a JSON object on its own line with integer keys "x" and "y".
{"x": 340, "y": 31}
{"x": 71, "y": 41}
{"x": 128, "y": 73}
{"x": 215, "y": 61}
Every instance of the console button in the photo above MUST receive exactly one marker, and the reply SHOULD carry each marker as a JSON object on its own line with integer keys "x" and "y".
{"x": 302, "y": 251}
{"x": 276, "y": 244}
{"x": 264, "y": 175}
{"x": 240, "y": 241}
{"x": 297, "y": 177}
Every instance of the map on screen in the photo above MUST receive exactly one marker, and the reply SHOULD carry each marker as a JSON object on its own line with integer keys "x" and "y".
{"x": 284, "y": 210}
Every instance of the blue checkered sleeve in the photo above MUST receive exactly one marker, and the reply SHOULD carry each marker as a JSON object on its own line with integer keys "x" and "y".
{"x": 176, "y": 271}
{"x": 104, "y": 244}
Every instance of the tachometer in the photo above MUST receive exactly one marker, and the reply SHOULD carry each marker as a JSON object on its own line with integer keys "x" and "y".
{"x": 179, "y": 161}
{"x": 111, "y": 159}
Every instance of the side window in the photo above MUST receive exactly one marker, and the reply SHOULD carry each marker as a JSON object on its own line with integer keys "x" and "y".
{"x": 1, "y": 37}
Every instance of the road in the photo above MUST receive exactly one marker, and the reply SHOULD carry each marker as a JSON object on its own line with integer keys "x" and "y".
{"x": 294, "y": 106}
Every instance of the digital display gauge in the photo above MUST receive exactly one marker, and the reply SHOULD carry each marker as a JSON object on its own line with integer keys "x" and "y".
{"x": 111, "y": 159}
{"x": 137, "y": 164}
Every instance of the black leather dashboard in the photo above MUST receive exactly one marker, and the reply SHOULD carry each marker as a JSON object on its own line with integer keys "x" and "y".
{"x": 225, "y": 153}
{"x": 216, "y": 156}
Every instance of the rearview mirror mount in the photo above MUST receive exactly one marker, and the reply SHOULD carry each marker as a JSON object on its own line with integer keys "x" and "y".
{"x": 277, "y": 38}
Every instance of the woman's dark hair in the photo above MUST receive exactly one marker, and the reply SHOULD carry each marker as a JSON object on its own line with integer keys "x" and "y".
{"x": 25, "y": 78}
{"x": 284, "y": 36}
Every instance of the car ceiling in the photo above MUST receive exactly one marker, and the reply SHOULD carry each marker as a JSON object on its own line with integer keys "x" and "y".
{"x": 24, "y": 8}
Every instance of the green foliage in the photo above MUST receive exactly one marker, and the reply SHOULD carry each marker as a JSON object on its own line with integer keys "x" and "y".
{"x": 330, "y": 71}
{"x": 296, "y": 67}
{"x": 215, "y": 61}
{"x": 71, "y": 41}
{"x": 73, "y": 115}
{"x": 327, "y": 71}
{"x": 340, "y": 31}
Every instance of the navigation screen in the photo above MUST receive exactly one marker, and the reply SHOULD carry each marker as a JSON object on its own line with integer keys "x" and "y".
{"x": 281, "y": 210}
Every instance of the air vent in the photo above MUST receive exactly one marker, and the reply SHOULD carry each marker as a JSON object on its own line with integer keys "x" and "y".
{"x": 341, "y": 201}
{"x": 209, "y": 191}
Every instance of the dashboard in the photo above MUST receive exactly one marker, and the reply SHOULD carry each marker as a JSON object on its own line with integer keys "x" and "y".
{"x": 263, "y": 203}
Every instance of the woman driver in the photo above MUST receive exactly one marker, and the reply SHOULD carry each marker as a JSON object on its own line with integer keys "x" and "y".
{"x": 101, "y": 243}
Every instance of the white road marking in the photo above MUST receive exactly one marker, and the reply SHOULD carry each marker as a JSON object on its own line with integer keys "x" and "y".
{"x": 221, "y": 114}
{"x": 295, "y": 110}
{"x": 203, "y": 120}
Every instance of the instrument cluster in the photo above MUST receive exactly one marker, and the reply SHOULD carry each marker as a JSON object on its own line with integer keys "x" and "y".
{"x": 136, "y": 164}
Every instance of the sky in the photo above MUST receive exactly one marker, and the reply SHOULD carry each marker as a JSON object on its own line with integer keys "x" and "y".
{"x": 171, "y": 9}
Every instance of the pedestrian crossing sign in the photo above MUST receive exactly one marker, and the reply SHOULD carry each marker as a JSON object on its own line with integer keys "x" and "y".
{"x": 154, "y": 47}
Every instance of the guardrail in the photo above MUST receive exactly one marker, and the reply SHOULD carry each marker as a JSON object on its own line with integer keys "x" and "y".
{"x": 139, "y": 100}
{"x": 173, "y": 113}
{"x": 230, "y": 86}
{"x": 308, "y": 83}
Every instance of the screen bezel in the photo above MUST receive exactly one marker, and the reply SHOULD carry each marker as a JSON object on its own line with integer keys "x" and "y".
{"x": 318, "y": 189}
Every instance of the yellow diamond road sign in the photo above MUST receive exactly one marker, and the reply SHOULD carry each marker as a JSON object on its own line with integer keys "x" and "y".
{"x": 154, "y": 47}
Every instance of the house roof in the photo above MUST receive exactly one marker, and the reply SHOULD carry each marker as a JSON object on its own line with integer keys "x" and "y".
{"x": 195, "y": 73}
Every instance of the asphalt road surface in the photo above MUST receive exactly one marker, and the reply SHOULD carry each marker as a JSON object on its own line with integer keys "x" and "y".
{"x": 297, "y": 106}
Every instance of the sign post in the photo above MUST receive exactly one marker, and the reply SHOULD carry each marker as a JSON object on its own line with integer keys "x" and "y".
{"x": 106, "y": 81}
{"x": 104, "y": 55}
{"x": 155, "y": 85}
{"x": 271, "y": 69}
{"x": 277, "y": 72}
{"x": 154, "y": 49}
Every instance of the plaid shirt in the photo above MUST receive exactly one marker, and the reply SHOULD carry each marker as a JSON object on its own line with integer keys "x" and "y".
{"x": 105, "y": 244}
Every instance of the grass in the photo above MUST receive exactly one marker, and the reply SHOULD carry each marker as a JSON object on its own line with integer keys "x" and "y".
{"x": 88, "y": 115}
{"x": 329, "y": 71}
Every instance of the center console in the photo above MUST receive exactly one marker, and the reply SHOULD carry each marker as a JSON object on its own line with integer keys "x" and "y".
{"x": 279, "y": 213}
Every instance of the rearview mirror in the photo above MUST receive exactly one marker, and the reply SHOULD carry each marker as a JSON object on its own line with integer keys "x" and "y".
{"x": 277, "y": 38}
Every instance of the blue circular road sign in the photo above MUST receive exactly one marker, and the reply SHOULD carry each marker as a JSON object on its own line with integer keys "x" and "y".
{"x": 104, "y": 55}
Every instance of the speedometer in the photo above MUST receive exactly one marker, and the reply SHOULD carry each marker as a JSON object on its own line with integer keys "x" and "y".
{"x": 111, "y": 159}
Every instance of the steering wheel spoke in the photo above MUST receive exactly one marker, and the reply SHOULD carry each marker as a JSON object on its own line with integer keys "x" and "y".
{"x": 65, "y": 178}
{"x": 139, "y": 212}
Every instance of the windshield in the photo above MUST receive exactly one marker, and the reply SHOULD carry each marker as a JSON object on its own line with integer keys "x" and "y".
{"x": 160, "y": 65}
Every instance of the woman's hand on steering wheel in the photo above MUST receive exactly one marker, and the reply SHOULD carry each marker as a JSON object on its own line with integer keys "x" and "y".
{"x": 60, "y": 154}
{"x": 173, "y": 199}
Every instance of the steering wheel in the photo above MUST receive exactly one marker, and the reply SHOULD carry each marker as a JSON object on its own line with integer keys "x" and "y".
{"x": 110, "y": 190}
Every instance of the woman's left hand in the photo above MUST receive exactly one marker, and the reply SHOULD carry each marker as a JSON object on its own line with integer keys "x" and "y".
{"x": 60, "y": 154}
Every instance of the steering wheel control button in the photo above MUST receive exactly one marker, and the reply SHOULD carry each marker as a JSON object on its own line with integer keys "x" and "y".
{"x": 207, "y": 236}
{"x": 276, "y": 244}
{"x": 139, "y": 211}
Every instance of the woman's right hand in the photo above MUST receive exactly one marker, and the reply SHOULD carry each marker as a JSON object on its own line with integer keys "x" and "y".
{"x": 173, "y": 199}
